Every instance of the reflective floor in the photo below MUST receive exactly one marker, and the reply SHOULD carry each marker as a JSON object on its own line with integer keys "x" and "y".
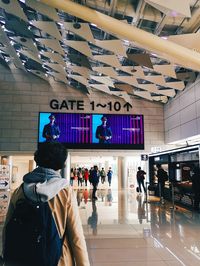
{"x": 122, "y": 228}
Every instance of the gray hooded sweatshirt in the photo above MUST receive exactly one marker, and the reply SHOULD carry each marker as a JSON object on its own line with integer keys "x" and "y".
{"x": 42, "y": 184}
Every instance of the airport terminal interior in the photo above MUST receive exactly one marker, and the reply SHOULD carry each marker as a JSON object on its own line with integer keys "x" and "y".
{"x": 120, "y": 81}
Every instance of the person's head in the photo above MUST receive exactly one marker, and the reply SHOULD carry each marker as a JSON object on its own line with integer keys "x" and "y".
{"x": 104, "y": 120}
{"x": 52, "y": 118}
{"x": 51, "y": 155}
{"x": 95, "y": 167}
{"x": 158, "y": 166}
{"x": 139, "y": 168}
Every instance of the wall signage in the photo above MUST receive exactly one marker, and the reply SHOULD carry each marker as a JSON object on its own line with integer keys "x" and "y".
{"x": 4, "y": 201}
{"x": 4, "y": 176}
{"x": 144, "y": 157}
{"x": 79, "y": 105}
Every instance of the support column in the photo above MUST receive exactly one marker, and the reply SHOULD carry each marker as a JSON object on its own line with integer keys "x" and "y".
{"x": 122, "y": 184}
{"x": 122, "y": 173}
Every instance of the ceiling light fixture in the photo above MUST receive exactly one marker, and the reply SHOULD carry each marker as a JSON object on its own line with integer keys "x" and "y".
{"x": 77, "y": 25}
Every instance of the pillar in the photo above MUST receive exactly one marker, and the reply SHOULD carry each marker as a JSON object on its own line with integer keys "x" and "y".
{"x": 122, "y": 173}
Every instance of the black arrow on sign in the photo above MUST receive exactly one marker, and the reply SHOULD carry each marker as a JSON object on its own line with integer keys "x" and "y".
{"x": 5, "y": 183}
{"x": 127, "y": 106}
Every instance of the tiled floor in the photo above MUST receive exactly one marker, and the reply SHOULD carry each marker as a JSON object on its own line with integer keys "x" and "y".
{"x": 121, "y": 228}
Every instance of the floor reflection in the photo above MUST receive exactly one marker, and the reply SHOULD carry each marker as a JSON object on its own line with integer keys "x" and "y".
{"x": 92, "y": 220}
{"x": 124, "y": 228}
{"x": 174, "y": 233}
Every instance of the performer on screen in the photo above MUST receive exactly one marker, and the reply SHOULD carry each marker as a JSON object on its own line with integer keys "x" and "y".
{"x": 103, "y": 132}
{"x": 51, "y": 131}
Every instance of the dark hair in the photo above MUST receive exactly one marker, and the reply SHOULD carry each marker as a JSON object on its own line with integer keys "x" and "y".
{"x": 139, "y": 168}
{"x": 158, "y": 165}
{"x": 103, "y": 117}
{"x": 51, "y": 155}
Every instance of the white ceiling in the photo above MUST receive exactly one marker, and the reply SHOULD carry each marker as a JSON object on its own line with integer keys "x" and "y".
{"x": 51, "y": 43}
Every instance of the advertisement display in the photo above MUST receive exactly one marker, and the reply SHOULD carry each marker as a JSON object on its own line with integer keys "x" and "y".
{"x": 100, "y": 131}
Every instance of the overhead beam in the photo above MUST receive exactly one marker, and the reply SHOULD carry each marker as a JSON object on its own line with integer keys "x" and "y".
{"x": 178, "y": 53}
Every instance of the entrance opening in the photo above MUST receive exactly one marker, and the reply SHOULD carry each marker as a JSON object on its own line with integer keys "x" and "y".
{"x": 105, "y": 162}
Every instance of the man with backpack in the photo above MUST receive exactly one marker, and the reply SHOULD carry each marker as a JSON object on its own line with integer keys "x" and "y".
{"x": 109, "y": 175}
{"x": 103, "y": 175}
{"x": 140, "y": 179}
{"x": 95, "y": 181}
{"x": 42, "y": 226}
{"x": 162, "y": 178}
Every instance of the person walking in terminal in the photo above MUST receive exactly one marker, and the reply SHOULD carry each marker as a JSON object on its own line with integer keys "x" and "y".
{"x": 140, "y": 179}
{"x": 86, "y": 176}
{"x": 51, "y": 131}
{"x": 162, "y": 177}
{"x": 71, "y": 176}
{"x": 196, "y": 187}
{"x": 109, "y": 175}
{"x": 57, "y": 209}
{"x": 103, "y": 175}
{"x": 103, "y": 132}
{"x": 95, "y": 181}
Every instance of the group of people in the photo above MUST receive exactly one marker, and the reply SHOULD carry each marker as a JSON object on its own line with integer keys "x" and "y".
{"x": 162, "y": 177}
{"x": 83, "y": 175}
{"x": 80, "y": 174}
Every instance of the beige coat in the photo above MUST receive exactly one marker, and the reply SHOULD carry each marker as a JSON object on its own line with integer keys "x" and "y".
{"x": 66, "y": 214}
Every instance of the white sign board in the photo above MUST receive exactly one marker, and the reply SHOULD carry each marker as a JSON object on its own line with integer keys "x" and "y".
{"x": 4, "y": 176}
{"x": 4, "y": 201}
{"x": 155, "y": 149}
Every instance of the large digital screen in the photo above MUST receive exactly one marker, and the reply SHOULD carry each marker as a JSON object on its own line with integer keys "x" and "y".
{"x": 87, "y": 131}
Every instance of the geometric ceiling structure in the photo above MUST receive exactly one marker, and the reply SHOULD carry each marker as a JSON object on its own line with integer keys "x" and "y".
{"x": 141, "y": 48}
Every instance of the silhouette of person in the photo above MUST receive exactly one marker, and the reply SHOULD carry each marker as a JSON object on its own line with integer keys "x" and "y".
{"x": 140, "y": 179}
{"x": 109, "y": 175}
{"x": 92, "y": 220}
{"x": 103, "y": 175}
{"x": 51, "y": 131}
{"x": 103, "y": 132}
{"x": 141, "y": 209}
{"x": 95, "y": 181}
{"x": 161, "y": 181}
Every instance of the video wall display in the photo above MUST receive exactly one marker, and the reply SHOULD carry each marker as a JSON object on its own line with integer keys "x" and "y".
{"x": 86, "y": 131}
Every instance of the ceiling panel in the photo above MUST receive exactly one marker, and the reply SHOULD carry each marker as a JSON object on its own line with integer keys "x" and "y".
{"x": 50, "y": 42}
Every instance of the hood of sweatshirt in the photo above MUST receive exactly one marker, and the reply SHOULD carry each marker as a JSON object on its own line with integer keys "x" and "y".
{"x": 42, "y": 184}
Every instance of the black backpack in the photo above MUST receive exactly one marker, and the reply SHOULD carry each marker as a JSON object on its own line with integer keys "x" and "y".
{"x": 31, "y": 236}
